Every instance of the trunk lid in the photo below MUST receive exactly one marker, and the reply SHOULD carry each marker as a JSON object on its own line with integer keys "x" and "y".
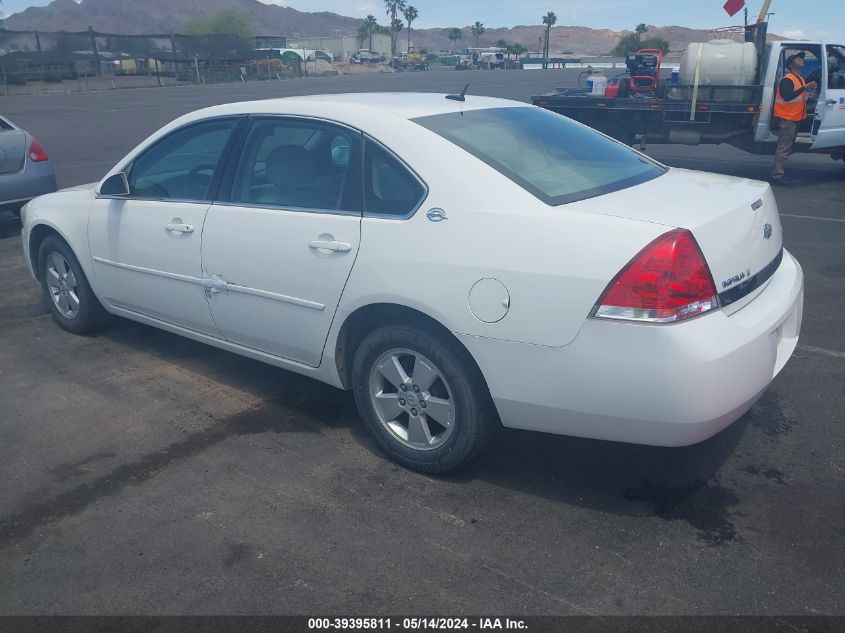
{"x": 12, "y": 150}
{"x": 735, "y": 222}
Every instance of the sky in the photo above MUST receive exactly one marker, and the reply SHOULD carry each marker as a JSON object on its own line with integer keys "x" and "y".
{"x": 805, "y": 19}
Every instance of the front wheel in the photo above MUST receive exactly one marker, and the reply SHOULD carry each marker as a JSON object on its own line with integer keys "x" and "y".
{"x": 71, "y": 300}
{"x": 422, "y": 398}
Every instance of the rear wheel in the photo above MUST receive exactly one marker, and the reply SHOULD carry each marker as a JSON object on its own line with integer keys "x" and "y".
{"x": 423, "y": 400}
{"x": 73, "y": 304}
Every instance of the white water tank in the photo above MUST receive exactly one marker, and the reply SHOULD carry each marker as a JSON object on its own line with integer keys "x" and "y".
{"x": 723, "y": 63}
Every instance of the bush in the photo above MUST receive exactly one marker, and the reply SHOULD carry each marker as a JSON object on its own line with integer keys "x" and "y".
{"x": 52, "y": 77}
{"x": 16, "y": 79}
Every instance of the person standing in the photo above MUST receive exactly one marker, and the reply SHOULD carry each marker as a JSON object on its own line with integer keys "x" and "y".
{"x": 790, "y": 109}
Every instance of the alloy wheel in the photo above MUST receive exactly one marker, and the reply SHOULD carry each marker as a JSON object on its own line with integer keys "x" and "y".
{"x": 62, "y": 285}
{"x": 412, "y": 399}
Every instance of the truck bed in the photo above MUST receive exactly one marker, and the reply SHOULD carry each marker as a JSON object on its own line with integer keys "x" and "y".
{"x": 711, "y": 98}
{"x": 720, "y": 113}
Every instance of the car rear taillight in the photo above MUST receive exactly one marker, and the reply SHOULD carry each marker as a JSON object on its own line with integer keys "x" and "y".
{"x": 667, "y": 281}
{"x": 37, "y": 153}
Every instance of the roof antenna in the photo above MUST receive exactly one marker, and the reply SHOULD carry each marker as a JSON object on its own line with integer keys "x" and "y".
{"x": 460, "y": 97}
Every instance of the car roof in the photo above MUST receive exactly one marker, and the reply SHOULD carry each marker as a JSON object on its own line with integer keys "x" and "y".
{"x": 405, "y": 105}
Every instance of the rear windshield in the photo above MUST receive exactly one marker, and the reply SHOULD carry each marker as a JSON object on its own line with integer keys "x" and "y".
{"x": 546, "y": 154}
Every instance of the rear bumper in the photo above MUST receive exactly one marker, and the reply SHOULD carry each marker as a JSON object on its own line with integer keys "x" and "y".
{"x": 647, "y": 384}
{"x": 34, "y": 180}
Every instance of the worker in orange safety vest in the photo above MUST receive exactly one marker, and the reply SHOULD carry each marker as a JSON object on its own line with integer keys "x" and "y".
{"x": 790, "y": 109}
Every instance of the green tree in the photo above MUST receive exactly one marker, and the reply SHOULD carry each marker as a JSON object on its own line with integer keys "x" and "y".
{"x": 363, "y": 34}
{"x": 477, "y": 30}
{"x": 371, "y": 26}
{"x": 641, "y": 29}
{"x": 550, "y": 19}
{"x": 410, "y": 12}
{"x": 397, "y": 26}
{"x": 455, "y": 34}
{"x": 631, "y": 43}
{"x": 394, "y": 7}
{"x": 502, "y": 44}
{"x": 227, "y": 21}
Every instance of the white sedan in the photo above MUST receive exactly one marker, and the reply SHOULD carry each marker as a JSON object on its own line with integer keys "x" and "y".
{"x": 458, "y": 264}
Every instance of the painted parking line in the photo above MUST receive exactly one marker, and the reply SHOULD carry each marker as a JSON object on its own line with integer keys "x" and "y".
{"x": 811, "y": 217}
{"x": 821, "y": 350}
{"x": 78, "y": 165}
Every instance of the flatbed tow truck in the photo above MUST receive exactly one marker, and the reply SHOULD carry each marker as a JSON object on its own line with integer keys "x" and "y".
{"x": 703, "y": 113}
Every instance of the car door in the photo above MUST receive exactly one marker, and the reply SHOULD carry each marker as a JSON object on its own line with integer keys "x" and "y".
{"x": 146, "y": 247}
{"x": 829, "y": 128}
{"x": 282, "y": 239}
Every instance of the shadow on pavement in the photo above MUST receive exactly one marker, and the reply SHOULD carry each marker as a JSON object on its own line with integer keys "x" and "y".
{"x": 670, "y": 483}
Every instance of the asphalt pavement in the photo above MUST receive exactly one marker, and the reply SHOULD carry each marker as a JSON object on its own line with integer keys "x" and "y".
{"x": 143, "y": 473}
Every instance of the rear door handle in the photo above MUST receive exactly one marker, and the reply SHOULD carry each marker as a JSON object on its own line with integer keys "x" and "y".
{"x": 179, "y": 228}
{"x": 325, "y": 245}
{"x": 831, "y": 102}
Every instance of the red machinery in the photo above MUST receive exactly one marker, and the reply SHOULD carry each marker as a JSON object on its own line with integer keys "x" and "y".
{"x": 644, "y": 68}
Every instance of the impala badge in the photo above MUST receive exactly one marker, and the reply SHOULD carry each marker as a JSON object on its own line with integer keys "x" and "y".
{"x": 767, "y": 231}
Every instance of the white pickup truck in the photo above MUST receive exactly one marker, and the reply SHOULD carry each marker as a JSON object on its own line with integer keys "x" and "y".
{"x": 711, "y": 113}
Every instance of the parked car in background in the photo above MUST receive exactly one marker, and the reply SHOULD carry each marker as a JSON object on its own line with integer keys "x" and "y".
{"x": 367, "y": 57}
{"x": 25, "y": 171}
{"x": 584, "y": 289}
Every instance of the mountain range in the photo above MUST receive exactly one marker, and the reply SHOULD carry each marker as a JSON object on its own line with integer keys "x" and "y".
{"x": 171, "y": 16}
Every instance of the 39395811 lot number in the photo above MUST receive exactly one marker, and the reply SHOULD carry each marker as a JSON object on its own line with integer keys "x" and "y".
{"x": 406, "y": 624}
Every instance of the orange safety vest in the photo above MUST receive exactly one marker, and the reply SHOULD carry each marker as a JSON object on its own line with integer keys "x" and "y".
{"x": 795, "y": 110}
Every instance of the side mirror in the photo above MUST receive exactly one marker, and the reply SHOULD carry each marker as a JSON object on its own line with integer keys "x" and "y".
{"x": 115, "y": 185}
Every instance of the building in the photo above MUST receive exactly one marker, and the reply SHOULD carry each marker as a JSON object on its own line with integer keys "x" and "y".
{"x": 342, "y": 47}
{"x": 271, "y": 41}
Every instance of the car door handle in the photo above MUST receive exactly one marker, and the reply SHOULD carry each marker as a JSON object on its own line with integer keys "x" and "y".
{"x": 325, "y": 245}
{"x": 831, "y": 102}
{"x": 179, "y": 228}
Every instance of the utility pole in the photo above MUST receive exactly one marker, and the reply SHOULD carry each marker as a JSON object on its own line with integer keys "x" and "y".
{"x": 745, "y": 11}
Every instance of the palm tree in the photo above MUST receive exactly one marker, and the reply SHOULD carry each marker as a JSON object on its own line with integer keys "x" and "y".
{"x": 371, "y": 25}
{"x": 455, "y": 34}
{"x": 641, "y": 29}
{"x": 410, "y": 12}
{"x": 392, "y": 8}
{"x": 477, "y": 30}
{"x": 550, "y": 19}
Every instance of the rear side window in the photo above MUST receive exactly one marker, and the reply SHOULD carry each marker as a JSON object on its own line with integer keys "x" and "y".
{"x": 548, "y": 155}
{"x": 5, "y": 125}
{"x": 390, "y": 188}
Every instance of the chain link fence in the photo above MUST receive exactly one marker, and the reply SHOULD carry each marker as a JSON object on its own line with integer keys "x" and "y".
{"x": 34, "y": 61}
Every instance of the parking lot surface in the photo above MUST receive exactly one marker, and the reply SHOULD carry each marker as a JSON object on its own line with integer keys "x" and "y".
{"x": 144, "y": 473}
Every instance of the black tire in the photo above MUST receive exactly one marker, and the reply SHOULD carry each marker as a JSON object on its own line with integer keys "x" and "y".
{"x": 90, "y": 315}
{"x": 475, "y": 421}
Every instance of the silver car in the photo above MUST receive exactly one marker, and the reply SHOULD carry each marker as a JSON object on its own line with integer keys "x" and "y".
{"x": 25, "y": 171}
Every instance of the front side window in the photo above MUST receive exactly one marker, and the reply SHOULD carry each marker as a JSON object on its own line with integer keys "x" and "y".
{"x": 550, "y": 156}
{"x": 292, "y": 163}
{"x": 389, "y": 188}
{"x": 182, "y": 166}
